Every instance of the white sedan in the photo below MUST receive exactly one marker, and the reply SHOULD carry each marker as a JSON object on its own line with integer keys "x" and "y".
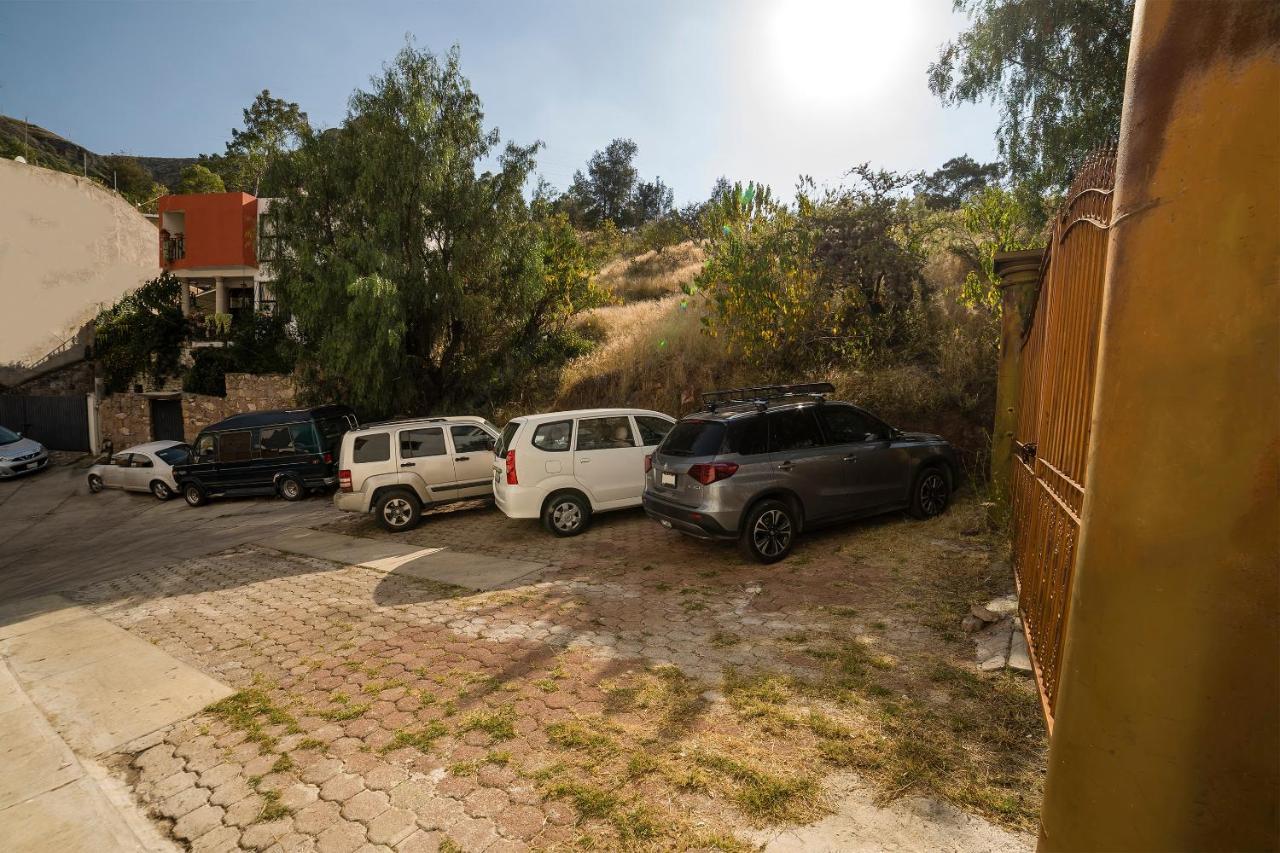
{"x": 145, "y": 468}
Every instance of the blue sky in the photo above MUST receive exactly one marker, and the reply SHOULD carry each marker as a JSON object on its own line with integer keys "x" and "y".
{"x": 744, "y": 88}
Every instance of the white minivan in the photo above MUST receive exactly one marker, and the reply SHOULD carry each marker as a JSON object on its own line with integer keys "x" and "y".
{"x": 397, "y": 468}
{"x": 564, "y": 466}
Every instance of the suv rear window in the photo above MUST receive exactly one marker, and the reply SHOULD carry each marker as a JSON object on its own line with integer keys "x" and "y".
{"x": 508, "y": 435}
{"x": 694, "y": 438}
{"x": 375, "y": 447}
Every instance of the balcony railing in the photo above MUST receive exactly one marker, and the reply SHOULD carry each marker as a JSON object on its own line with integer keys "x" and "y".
{"x": 172, "y": 249}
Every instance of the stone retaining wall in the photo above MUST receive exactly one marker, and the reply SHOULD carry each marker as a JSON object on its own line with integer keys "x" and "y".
{"x": 125, "y": 419}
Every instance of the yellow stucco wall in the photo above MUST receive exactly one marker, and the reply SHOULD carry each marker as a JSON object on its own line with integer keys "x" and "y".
{"x": 1165, "y": 735}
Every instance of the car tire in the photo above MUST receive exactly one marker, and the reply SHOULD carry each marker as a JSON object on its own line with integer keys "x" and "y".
{"x": 931, "y": 493}
{"x": 398, "y": 510}
{"x": 95, "y": 483}
{"x": 291, "y": 488}
{"x": 194, "y": 494}
{"x": 566, "y": 514}
{"x": 770, "y": 531}
{"x": 161, "y": 490}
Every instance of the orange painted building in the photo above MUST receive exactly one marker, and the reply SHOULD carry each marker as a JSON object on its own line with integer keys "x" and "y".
{"x": 210, "y": 241}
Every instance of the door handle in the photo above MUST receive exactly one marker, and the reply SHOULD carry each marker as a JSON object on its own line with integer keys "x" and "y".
{"x": 852, "y": 457}
{"x": 584, "y": 461}
{"x": 462, "y": 459}
{"x": 786, "y": 466}
{"x": 407, "y": 464}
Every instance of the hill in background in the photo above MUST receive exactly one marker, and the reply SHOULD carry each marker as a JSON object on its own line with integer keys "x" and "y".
{"x": 45, "y": 148}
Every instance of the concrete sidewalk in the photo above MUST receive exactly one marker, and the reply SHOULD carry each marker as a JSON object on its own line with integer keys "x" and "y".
{"x": 73, "y": 687}
{"x": 442, "y": 565}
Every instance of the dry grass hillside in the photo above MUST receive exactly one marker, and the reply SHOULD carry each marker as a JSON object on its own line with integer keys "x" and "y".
{"x": 653, "y": 352}
{"x": 652, "y": 275}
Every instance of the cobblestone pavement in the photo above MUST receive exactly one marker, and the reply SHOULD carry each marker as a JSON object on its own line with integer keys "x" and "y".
{"x": 644, "y": 691}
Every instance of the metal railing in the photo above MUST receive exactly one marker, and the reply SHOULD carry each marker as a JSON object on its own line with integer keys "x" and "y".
{"x": 1059, "y": 367}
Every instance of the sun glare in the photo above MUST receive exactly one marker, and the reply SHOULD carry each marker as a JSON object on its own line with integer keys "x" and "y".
{"x": 828, "y": 52}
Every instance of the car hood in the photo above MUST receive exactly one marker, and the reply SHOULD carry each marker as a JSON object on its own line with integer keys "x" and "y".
{"x": 922, "y": 436}
{"x": 21, "y": 447}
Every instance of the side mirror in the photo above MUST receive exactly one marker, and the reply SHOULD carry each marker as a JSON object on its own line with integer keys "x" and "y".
{"x": 871, "y": 436}
{"x": 491, "y": 444}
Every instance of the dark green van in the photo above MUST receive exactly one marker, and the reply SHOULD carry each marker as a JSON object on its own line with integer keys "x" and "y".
{"x": 288, "y": 452}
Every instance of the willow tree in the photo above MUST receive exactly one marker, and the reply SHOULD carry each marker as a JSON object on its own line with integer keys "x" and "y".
{"x": 417, "y": 280}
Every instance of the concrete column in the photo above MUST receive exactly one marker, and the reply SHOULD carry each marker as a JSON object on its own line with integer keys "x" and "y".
{"x": 1019, "y": 272}
{"x": 220, "y": 295}
{"x": 1166, "y": 733}
{"x": 184, "y": 288}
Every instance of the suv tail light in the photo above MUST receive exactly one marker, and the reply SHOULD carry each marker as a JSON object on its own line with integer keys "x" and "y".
{"x": 706, "y": 474}
{"x": 648, "y": 462}
{"x": 511, "y": 469}
{"x": 344, "y": 480}
{"x": 328, "y": 458}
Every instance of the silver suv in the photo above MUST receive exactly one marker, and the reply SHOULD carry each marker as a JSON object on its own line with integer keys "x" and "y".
{"x": 395, "y": 469}
{"x": 761, "y": 464}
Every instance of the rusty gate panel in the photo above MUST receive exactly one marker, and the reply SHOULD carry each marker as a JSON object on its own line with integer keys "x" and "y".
{"x": 1060, "y": 354}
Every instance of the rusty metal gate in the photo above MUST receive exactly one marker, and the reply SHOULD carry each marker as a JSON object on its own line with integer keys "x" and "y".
{"x": 1059, "y": 365}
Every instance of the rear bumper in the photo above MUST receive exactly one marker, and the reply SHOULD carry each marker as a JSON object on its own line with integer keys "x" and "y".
{"x": 518, "y": 501}
{"x": 692, "y": 522}
{"x": 351, "y": 501}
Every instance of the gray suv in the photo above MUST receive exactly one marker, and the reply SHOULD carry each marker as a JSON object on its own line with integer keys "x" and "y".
{"x": 761, "y": 464}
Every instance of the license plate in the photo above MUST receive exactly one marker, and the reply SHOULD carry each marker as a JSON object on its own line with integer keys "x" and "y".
{"x": 668, "y": 479}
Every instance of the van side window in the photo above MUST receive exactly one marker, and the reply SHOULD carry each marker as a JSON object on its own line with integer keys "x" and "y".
{"x": 371, "y": 448}
{"x": 236, "y": 446}
{"x": 304, "y": 438}
{"x": 604, "y": 433}
{"x": 421, "y": 442}
{"x": 553, "y": 437}
{"x": 204, "y": 449}
{"x": 275, "y": 441}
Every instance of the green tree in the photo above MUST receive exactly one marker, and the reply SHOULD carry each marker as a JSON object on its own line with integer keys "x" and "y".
{"x": 651, "y": 200}
{"x": 606, "y": 190}
{"x": 197, "y": 178}
{"x": 947, "y": 187}
{"x": 836, "y": 275}
{"x": 416, "y": 280}
{"x": 993, "y": 220}
{"x": 132, "y": 180}
{"x": 1056, "y": 69}
{"x": 141, "y": 335}
{"x": 272, "y": 126}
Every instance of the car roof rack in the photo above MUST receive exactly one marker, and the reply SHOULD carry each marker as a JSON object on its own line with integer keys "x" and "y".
{"x": 762, "y": 395}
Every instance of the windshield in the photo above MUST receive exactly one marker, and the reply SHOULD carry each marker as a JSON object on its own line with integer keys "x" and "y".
{"x": 508, "y": 435}
{"x": 8, "y": 436}
{"x": 175, "y": 455}
{"x": 332, "y": 430}
{"x": 694, "y": 438}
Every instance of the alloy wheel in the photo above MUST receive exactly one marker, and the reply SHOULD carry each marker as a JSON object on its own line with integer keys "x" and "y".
{"x": 772, "y": 533}
{"x": 291, "y": 489}
{"x": 566, "y": 516}
{"x": 95, "y": 484}
{"x": 397, "y": 512}
{"x": 160, "y": 490}
{"x": 933, "y": 493}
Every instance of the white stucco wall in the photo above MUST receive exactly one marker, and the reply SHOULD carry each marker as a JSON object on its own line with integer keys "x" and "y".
{"x": 67, "y": 246}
